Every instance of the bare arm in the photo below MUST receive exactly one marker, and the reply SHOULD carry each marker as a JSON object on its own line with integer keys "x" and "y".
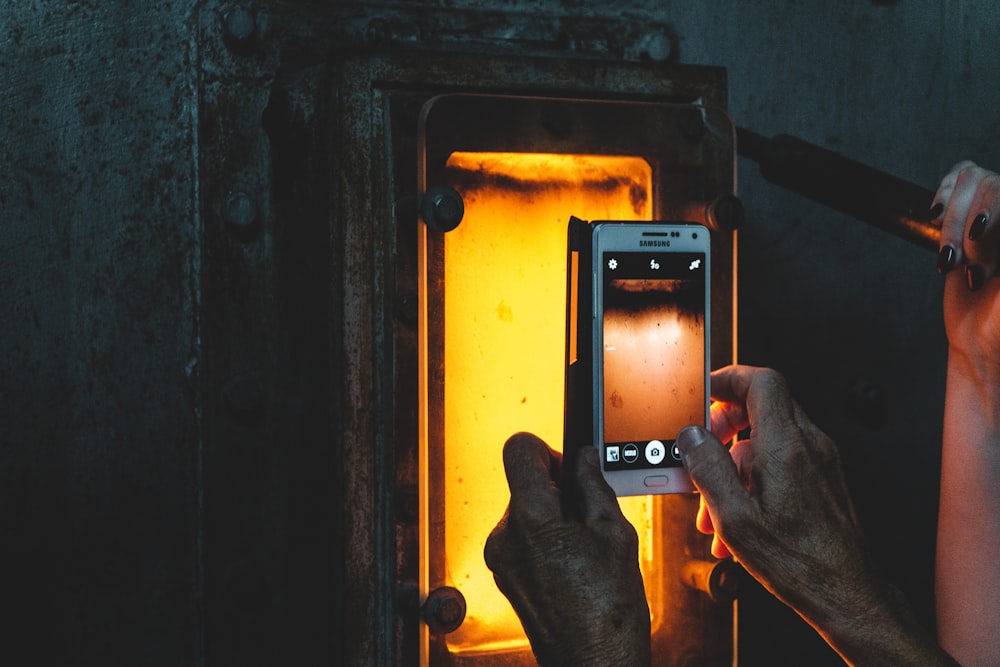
{"x": 968, "y": 572}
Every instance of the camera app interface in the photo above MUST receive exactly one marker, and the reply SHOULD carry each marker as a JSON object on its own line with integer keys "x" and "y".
{"x": 654, "y": 355}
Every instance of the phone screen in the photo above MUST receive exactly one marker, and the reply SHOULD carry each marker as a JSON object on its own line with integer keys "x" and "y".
{"x": 653, "y": 355}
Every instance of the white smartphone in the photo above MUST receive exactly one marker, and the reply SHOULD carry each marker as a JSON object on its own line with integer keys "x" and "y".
{"x": 650, "y": 349}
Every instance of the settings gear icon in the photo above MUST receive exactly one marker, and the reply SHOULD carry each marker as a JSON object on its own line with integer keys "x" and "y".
{"x": 612, "y": 263}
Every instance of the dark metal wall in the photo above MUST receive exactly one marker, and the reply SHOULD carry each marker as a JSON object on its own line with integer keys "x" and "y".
{"x": 99, "y": 433}
{"x": 127, "y": 444}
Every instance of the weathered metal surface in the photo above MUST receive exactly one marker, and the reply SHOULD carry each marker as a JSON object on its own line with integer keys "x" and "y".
{"x": 98, "y": 350}
{"x": 103, "y": 208}
{"x": 338, "y": 95}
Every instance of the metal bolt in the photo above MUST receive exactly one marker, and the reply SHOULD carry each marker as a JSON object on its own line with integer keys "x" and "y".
{"x": 727, "y": 213}
{"x": 655, "y": 45}
{"x": 442, "y": 208}
{"x": 719, "y": 579}
{"x": 239, "y": 27}
{"x": 239, "y": 210}
{"x": 444, "y": 610}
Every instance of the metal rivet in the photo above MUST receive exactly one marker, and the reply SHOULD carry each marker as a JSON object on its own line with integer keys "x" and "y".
{"x": 655, "y": 45}
{"x": 239, "y": 210}
{"x": 727, "y": 213}
{"x": 442, "y": 208}
{"x": 239, "y": 27}
{"x": 444, "y": 610}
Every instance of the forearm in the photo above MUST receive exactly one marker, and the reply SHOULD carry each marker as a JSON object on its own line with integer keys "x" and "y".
{"x": 630, "y": 650}
{"x": 879, "y": 631}
{"x": 968, "y": 572}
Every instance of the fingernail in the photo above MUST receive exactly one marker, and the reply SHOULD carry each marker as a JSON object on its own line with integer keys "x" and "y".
{"x": 974, "y": 277}
{"x": 689, "y": 439}
{"x": 946, "y": 260}
{"x": 978, "y": 227}
{"x": 935, "y": 211}
{"x": 591, "y": 457}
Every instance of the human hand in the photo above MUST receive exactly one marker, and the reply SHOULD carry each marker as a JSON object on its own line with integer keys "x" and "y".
{"x": 969, "y": 203}
{"x": 967, "y": 609}
{"x": 779, "y": 503}
{"x": 575, "y": 585}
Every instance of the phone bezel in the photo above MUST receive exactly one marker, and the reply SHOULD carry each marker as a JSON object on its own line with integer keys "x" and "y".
{"x": 625, "y": 237}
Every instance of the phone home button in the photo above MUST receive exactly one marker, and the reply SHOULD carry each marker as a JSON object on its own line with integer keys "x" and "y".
{"x": 655, "y": 480}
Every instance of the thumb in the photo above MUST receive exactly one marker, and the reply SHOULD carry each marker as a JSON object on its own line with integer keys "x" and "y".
{"x": 711, "y": 468}
{"x": 597, "y": 498}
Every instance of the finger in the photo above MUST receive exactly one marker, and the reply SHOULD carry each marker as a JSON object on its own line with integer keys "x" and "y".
{"x": 528, "y": 462}
{"x": 728, "y": 419}
{"x": 742, "y": 455}
{"x": 495, "y": 549}
{"x": 762, "y": 390}
{"x": 719, "y": 548}
{"x": 703, "y": 521}
{"x": 944, "y": 190}
{"x": 597, "y": 499}
{"x": 955, "y": 221}
{"x": 983, "y": 231}
{"x": 712, "y": 470}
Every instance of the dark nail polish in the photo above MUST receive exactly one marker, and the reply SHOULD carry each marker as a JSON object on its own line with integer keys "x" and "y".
{"x": 977, "y": 227}
{"x": 974, "y": 277}
{"x": 935, "y": 211}
{"x": 946, "y": 260}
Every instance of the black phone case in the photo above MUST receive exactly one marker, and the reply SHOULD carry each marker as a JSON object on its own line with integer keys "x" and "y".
{"x": 578, "y": 411}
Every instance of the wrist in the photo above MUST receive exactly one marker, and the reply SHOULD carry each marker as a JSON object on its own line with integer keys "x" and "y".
{"x": 972, "y": 398}
{"x": 617, "y": 635}
{"x": 628, "y": 650}
{"x": 877, "y": 629}
{"x": 617, "y": 654}
{"x": 969, "y": 372}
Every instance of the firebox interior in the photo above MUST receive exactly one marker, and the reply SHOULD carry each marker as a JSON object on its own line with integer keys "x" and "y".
{"x": 492, "y": 330}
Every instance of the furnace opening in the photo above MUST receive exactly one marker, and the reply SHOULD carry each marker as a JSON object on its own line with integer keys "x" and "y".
{"x": 504, "y": 301}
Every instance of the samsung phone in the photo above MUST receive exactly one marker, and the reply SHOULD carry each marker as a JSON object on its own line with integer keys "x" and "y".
{"x": 650, "y": 355}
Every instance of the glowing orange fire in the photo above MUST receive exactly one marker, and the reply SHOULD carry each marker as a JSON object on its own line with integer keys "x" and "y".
{"x": 504, "y": 331}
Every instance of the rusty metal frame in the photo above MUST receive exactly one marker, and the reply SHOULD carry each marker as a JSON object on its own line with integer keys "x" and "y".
{"x": 308, "y": 287}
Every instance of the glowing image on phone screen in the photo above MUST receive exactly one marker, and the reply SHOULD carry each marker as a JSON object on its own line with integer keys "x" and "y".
{"x": 654, "y": 355}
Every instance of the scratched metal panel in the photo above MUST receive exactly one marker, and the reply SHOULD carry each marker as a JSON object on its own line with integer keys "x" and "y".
{"x": 98, "y": 426}
{"x": 101, "y": 220}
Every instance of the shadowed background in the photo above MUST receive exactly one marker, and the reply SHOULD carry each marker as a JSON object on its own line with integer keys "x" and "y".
{"x": 103, "y": 505}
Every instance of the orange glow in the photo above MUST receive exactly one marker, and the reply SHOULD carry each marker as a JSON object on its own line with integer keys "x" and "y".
{"x": 504, "y": 332}
{"x": 630, "y": 340}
